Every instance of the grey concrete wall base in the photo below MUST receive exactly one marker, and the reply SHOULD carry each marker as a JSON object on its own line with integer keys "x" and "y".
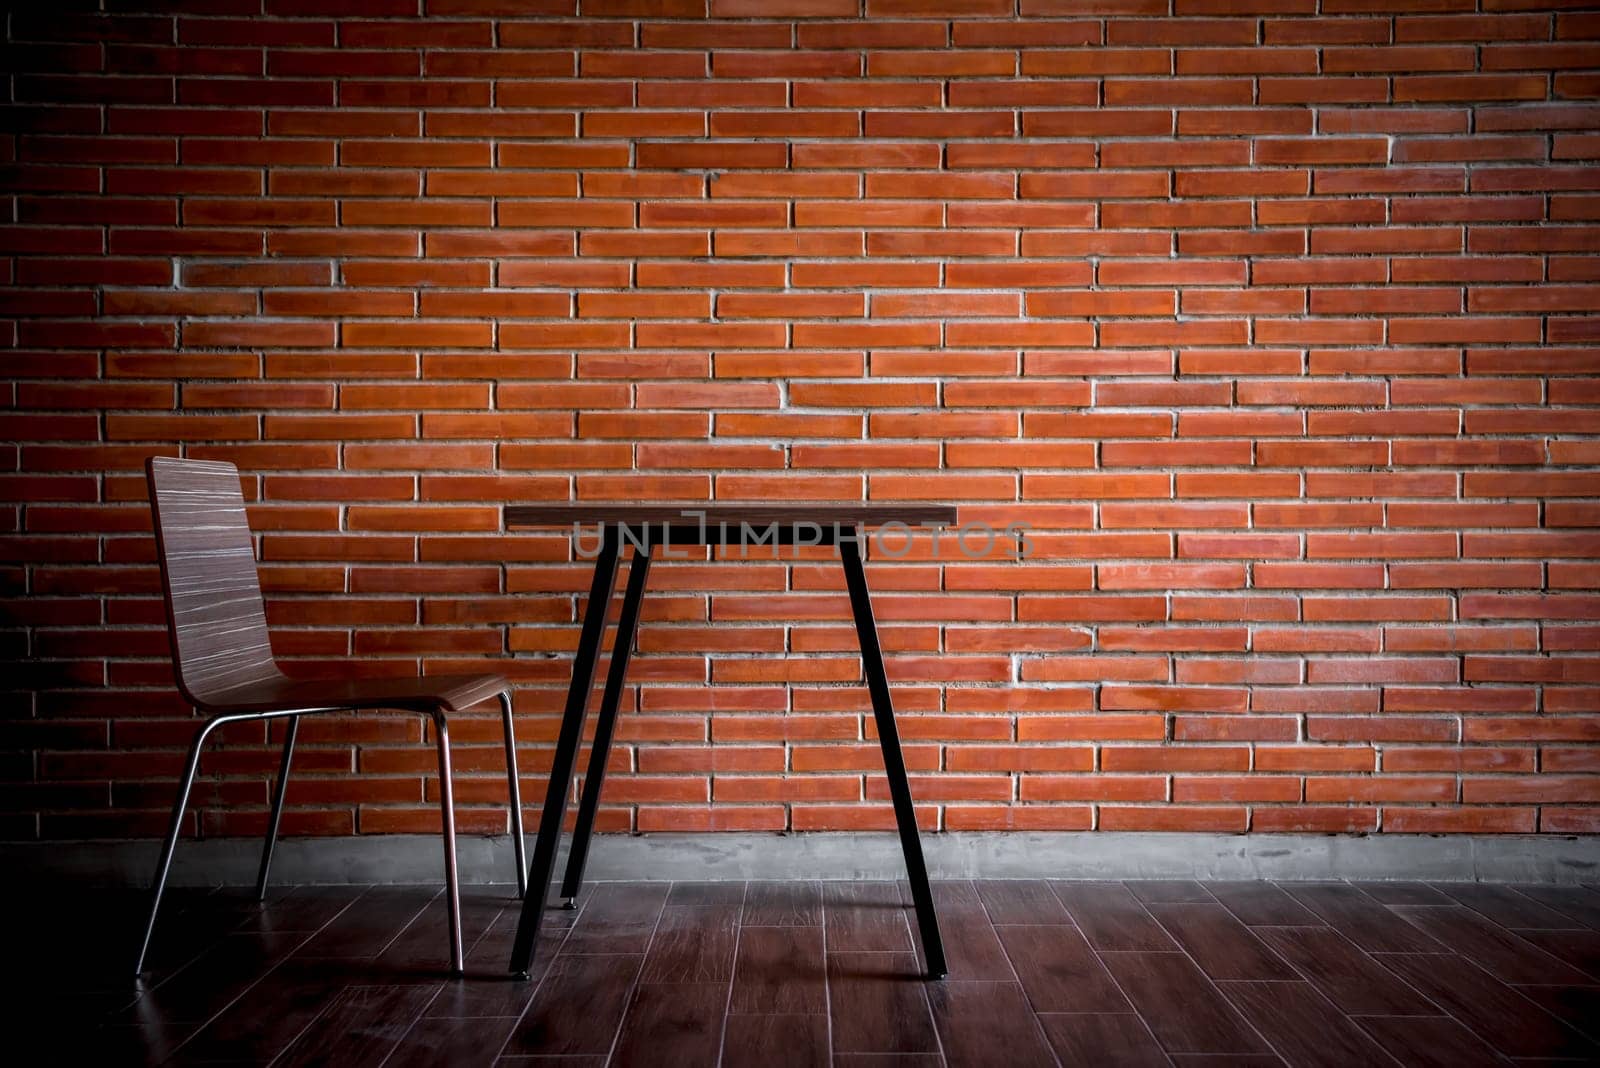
{"x": 419, "y": 858}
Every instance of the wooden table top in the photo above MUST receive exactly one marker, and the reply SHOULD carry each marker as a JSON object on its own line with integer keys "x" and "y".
{"x": 689, "y": 513}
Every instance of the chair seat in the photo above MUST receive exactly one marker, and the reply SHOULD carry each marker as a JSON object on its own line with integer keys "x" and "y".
{"x": 450, "y": 692}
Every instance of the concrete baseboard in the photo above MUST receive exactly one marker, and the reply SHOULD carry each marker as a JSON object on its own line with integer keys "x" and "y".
{"x": 418, "y": 858}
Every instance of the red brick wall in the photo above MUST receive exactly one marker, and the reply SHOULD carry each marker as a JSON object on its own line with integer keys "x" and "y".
{"x": 1275, "y": 320}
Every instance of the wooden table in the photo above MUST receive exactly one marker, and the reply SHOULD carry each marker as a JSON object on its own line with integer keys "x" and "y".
{"x": 649, "y": 528}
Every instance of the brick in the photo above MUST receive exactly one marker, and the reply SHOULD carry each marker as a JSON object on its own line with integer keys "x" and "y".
{"x": 1191, "y": 818}
{"x": 1435, "y": 820}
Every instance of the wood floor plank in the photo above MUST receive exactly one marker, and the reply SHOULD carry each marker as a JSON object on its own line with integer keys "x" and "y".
{"x": 987, "y": 1023}
{"x": 866, "y": 917}
{"x": 487, "y": 995}
{"x": 561, "y": 916}
{"x": 887, "y": 1060}
{"x": 300, "y": 908}
{"x": 1575, "y": 902}
{"x": 691, "y": 895}
{"x": 371, "y": 922}
{"x": 1506, "y": 907}
{"x": 579, "y": 1005}
{"x": 361, "y": 1025}
{"x": 1495, "y": 949}
{"x": 212, "y": 980}
{"x": 876, "y": 1004}
{"x": 1110, "y": 917}
{"x": 1021, "y": 901}
{"x": 672, "y": 1023}
{"x": 192, "y": 920}
{"x": 775, "y": 1041}
{"x": 1576, "y": 1006}
{"x": 1261, "y": 903}
{"x": 1172, "y": 891}
{"x": 780, "y": 971}
{"x": 1370, "y": 925}
{"x": 1343, "y": 973}
{"x": 255, "y": 1029}
{"x": 488, "y": 989}
{"x": 1303, "y": 1026}
{"x": 1579, "y": 949}
{"x": 1402, "y": 892}
{"x": 970, "y": 947}
{"x": 618, "y": 918}
{"x": 955, "y": 894}
{"x": 1059, "y": 971}
{"x": 693, "y": 945}
{"x": 778, "y": 904}
{"x": 1222, "y": 946}
{"x": 424, "y": 944}
{"x": 1498, "y": 1014}
{"x": 1184, "y": 1009}
{"x": 1427, "y": 1041}
{"x": 453, "y": 1042}
{"x": 1101, "y": 1040}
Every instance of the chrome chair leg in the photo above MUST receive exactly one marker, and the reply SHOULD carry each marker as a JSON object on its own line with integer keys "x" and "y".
{"x": 517, "y": 834}
{"x": 171, "y": 844}
{"x": 447, "y": 807}
{"x": 277, "y": 809}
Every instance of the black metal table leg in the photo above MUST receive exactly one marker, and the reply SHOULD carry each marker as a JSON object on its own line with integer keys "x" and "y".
{"x": 893, "y": 760}
{"x": 600, "y": 752}
{"x": 555, "y": 798}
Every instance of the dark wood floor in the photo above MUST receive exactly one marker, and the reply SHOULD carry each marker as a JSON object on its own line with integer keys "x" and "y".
{"x": 783, "y": 974}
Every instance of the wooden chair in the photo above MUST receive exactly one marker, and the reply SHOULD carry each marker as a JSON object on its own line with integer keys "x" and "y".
{"x": 225, "y": 668}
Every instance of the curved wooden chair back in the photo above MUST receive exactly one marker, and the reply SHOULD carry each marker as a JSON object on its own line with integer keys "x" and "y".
{"x": 215, "y": 615}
